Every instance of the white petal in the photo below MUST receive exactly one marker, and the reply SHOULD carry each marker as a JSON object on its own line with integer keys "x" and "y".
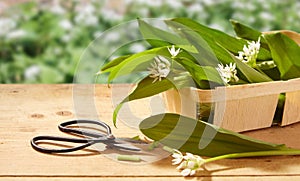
{"x": 157, "y": 60}
{"x": 164, "y": 60}
{"x": 177, "y": 51}
{"x": 186, "y": 172}
{"x": 176, "y": 161}
{"x": 182, "y": 165}
{"x": 155, "y": 80}
{"x": 193, "y": 172}
{"x": 189, "y": 156}
{"x": 164, "y": 72}
{"x": 169, "y": 50}
{"x": 191, "y": 164}
{"x": 176, "y": 155}
{"x": 221, "y": 66}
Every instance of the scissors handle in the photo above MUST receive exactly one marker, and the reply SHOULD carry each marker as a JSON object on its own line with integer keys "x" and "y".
{"x": 64, "y": 128}
{"x": 90, "y": 137}
{"x": 87, "y": 142}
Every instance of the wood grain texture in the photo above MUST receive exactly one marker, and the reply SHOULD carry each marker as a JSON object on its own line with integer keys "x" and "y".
{"x": 291, "y": 108}
{"x": 30, "y": 110}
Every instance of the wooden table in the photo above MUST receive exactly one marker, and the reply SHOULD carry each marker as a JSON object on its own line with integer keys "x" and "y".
{"x": 30, "y": 110}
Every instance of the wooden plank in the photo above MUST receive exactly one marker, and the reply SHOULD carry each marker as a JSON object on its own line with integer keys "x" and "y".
{"x": 226, "y": 178}
{"x": 246, "y": 114}
{"x": 31, "y": 110}
{"x": 291, "y": 112}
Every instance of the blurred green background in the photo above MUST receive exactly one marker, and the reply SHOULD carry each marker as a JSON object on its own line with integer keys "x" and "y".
{"x": 42, "y": 41}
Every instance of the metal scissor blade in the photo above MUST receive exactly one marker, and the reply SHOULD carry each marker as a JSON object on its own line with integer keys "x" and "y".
{"x": 127, "y": 147}
{"x": 124, "y": 144}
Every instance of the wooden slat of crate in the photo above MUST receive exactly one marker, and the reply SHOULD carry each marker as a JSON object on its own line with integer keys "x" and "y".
{"x": 291, "y": 112}
{"x": 246, "y": 107}
{"x": 246, "y": 114}
{"x": 291, "y": 108}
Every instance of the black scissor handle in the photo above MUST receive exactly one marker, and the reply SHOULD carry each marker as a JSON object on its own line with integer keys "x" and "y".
{"x": 87, "y": 142}
{"x": 64, "y": 128}
{"x": 37, "y": 147}
{"x": 90, "y": 138}
{"x": 96, "y": 137}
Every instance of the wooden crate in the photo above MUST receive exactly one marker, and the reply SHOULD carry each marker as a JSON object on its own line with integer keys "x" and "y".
{"x": 240, "y": 107}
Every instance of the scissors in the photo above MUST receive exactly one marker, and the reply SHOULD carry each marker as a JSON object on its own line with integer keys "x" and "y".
{"x": 89, "y": 139}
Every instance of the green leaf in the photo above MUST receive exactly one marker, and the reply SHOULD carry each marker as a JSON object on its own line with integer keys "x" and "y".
{"x": 232, "y": 44}
{"x": 136, "y": 62}
{"x": 198, "y": 41}
{"x": 223, "y": 55}
{"x": 201, "y": 138}
{"x": 157, "y": 37}
{"x": 249, "y": 33}
{"x": 286, "y": 55}
{"x": 147, "y": 88}
{"x": 201, "y": 74}
{"x": 108, "y": 67}
{"x": 244, "y": 31}
{"x": 205, "y": 55}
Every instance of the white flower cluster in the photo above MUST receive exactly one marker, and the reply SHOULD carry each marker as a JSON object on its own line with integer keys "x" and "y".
{"x": 228, "y": 73}
{"x": 249, "y": 53}
{"x": 189, "y": 163}
{"x": 160, "y": 68}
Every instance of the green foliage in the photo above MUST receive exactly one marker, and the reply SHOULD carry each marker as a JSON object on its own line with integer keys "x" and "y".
{"x": 136, "y": 62}
{"x": 204, "y": 51}
{"x": 286, "y": 55}
{"x": 201, "y": 138}
{"x": 157, "y": 37}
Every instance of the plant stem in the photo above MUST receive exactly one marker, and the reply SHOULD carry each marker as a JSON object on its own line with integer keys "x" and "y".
{"x": 128, "y": 158}
{"x": 255, "y": 154}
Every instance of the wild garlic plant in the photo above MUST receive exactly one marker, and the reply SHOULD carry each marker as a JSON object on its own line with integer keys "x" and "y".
{"x": 197, "y": 56}
{"x": 161, "y": 66}
{"x": 228, "y": 73}
{"x": 250, "y": 53}
{"x": 189, "y": 163}
{"x": 248, "y": 56}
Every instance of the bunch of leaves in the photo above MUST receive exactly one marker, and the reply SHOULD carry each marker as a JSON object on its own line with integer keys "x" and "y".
{"x": 202, "y": 49}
